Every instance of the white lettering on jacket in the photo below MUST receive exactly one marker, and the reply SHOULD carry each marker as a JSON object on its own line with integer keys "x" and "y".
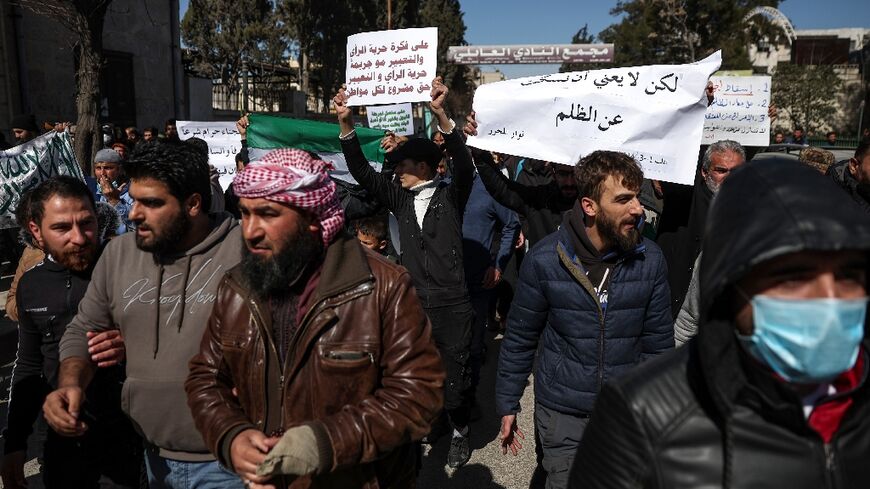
{"x": 143, "y": 292}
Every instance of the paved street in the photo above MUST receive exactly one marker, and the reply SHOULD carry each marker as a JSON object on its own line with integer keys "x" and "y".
{"x": 488, "y": 468}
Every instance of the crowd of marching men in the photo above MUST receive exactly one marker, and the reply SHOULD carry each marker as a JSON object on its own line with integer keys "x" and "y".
{"x": 296, "y": 330}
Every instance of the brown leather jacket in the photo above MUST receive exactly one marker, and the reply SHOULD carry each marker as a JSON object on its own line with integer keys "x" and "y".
{"x": 362, "y": 370}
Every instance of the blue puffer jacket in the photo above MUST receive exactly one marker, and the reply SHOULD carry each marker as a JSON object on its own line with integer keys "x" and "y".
{"x": 556, "y": 312}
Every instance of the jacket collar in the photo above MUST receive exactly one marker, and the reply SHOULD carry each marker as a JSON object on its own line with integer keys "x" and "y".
{"x": 344, "y": 267}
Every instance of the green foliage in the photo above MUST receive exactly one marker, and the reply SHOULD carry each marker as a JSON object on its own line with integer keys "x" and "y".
{"x": 322, "y": 28}
{"x": 808, "y": 94}
{"x": 223, "y": 34}
{"x": 683, "y": 31}
{"x": 447, "y": 15}
{"x": 582, "y": 37}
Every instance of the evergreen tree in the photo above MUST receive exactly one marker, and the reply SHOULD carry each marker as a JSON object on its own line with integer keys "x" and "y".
{"x": 683, "y": 31}
{"x": 222, "y": 35}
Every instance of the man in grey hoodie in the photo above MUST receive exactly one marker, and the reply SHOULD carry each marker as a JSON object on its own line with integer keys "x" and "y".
{"x": 158, "y": 286}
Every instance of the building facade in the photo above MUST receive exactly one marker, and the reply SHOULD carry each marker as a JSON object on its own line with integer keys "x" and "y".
{"x": 142, "y": 80}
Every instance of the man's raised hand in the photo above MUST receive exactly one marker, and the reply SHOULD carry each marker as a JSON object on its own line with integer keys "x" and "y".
{"x": 470, "y": 128}
{"x": 439, "y": 96}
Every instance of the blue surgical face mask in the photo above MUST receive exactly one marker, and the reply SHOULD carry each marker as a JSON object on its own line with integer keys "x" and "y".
{"x": 806, "y": 341}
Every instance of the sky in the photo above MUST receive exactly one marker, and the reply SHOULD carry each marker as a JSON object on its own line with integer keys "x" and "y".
{"x": 556, "y": 21}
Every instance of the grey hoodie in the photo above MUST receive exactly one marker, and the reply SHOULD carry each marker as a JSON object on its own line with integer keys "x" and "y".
{"x": 161, "y": 336}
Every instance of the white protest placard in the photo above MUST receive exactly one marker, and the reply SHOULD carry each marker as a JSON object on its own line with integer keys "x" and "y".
{"x": 390, "y": 67}
{"x": 739, "y": 110}
{"x": 396, "y": 118}
{"x": 223, "y": 141}
{"x": 654, "y": 113}
{"x": 26, "y": 165}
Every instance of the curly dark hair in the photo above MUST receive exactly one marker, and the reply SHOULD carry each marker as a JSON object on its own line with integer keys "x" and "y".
{"x": 593, "y": 169}
{"x": 181, "y": 167}
{"x": 31, "y": 207}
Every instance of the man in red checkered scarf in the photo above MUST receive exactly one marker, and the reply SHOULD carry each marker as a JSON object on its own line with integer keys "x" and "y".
{"x": 318, "y": 367}
{"x": 294, "y": 177}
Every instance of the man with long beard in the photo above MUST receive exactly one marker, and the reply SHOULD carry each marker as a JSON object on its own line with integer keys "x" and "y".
{"x": 63, "y": 222}
{"x": 318, "y": 367}
{"x": 592, "y": 301}
{"x": 158, "y": 286}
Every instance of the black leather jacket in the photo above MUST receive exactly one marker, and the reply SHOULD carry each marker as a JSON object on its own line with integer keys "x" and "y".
{"x": 707, "y": 415}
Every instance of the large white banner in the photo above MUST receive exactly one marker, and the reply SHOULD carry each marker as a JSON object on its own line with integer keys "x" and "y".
{"x": 739, "y": 110}
{"x": 390, "y": 67}
{"x": 395, "y": 118}
{"x": 27, "y": 165}
{"x": 223, "y": 141}
{"x": 655, "y": 113}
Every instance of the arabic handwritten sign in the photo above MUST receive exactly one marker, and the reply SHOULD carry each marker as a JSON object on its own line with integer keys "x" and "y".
{"x": 556, "y": 53}
{"x": 739, "y": 110}
{"x": 223, "y": 144}
{"x": 25, "y": 166}
{"x": 653, "y": 112}
{"x": 396, "y": 118}
{"x": 389, "y": 67}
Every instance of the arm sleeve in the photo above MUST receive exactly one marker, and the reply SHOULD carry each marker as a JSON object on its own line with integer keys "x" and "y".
{"x": 615, "y": 452}
{"x": 686, "y": 324}
{"x": 94, "y": 313}
{"x": 515, "y": 196}
{"x": 509, "y": 231}
{"x": 463, "y": 168}
{"x": 526, "y": 321}
{"x": 411, "y": 391}
{"x": 28, "y": 386}
{"x": 658, "y": 327}
{"x": 379, "y": 186}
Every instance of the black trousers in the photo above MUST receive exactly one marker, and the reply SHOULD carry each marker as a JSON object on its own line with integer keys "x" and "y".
{"x": 451, "y": 328}
{"x": 108, "y": 456}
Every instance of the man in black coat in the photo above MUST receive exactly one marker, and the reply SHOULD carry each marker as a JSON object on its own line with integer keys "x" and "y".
{"x": 429, "y": 212}
{"x": 65, "y": 225}
{"x": 773, "y": 391}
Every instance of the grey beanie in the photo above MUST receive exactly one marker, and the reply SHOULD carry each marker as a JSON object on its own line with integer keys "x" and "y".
{"x": 107, "y": 156}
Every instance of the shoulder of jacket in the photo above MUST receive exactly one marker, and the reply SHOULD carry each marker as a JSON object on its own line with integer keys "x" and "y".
{"x": 658, "y": 392}
{"x": 382, "y": 267}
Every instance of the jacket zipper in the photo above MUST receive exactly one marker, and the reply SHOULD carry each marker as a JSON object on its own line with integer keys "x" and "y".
{"x": 829, "y": 465}
{"x": 303, "y": 325}
{"x": 68, "y": 290}
{"x": 258, "y": 318}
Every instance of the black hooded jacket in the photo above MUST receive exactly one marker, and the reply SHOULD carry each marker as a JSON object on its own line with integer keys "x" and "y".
{"x": 705, "y": 415}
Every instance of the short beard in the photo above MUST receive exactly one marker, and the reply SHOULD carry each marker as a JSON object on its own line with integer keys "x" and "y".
{"x": 77, "y": 262}
{"x": 712, "y": 185}
{"x": 273, "y": 276}
{"x": 167, "y": 242}
{"x": 609, "y": 230}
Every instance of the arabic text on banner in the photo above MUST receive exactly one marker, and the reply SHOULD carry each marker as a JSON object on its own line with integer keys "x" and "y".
{"x": 25, "y": 166}
{"x": 396, "y": 118}
{"x": 739, "y": 110}
{"x": 390, "y": 67}
{"x": 654, "y": 113}
{"x": 223, "y": 141}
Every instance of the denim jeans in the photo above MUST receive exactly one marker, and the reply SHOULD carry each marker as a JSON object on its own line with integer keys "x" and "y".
{"x": 164, "y": 473}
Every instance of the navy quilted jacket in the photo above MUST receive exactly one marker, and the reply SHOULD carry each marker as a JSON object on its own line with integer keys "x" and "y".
{"x": 556, "y": 313}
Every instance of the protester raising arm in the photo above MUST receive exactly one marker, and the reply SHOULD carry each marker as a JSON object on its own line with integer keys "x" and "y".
{"x": 377, "y": 184}
{"x": 463, "y": 168}
{"x": 515, "y": 196}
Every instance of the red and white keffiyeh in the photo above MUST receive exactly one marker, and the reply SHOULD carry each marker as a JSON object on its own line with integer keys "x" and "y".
{"x": 296, "y": 178}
